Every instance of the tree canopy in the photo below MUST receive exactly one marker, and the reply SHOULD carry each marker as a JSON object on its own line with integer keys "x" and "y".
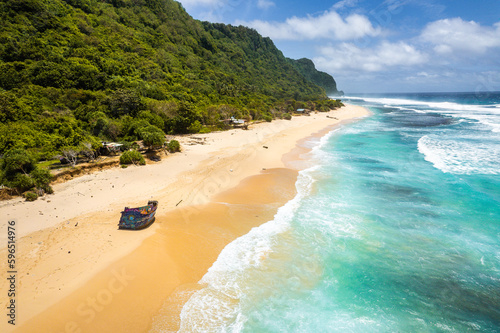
{"x": 81, "y": 71}
{"x": 306, "y": 67}
{"x": 18, "y": 170}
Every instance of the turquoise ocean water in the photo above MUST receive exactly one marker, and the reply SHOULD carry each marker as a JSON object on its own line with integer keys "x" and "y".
{"x": 396, "y": 228}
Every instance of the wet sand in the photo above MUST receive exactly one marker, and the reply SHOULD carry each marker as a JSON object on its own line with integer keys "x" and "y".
{"x": 84, "y": 275}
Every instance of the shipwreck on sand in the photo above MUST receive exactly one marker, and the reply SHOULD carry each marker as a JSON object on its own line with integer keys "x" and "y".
{"x": 138, "y": 218}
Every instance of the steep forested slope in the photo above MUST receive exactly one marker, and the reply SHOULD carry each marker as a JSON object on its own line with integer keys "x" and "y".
{"x": 306, "y": 67}
{"x": 78, "y": 71}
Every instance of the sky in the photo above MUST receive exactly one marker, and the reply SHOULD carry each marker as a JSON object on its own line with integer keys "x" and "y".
{"x": 376, "y": 46}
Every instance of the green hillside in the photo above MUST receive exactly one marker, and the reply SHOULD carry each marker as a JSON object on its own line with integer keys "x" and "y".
{"x": 81, "y": 71}
{"x": 306, "y": 67}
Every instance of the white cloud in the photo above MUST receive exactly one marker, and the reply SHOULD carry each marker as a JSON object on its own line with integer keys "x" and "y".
{"x": 328, "y": 25}
{"x": 427, "y": 75}
{"x": 207, "y": 10}
{"x": 265, "y": 4}
{"x": 455, "y": 35}
{"x": 349, "y": 57}
{"x": 394, "y": 5}
{"x": 345, "y": 4}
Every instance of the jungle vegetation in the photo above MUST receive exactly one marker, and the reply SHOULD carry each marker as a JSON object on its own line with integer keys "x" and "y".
{"x": 306, "y": 68}
{"x": 76, "y": 72}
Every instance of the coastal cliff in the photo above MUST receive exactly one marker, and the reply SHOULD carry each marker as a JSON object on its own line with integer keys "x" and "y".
{"x": 306, "y": 68}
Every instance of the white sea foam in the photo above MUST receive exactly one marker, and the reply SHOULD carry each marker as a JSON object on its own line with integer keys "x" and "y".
{"x": 460, "y": 157}
{"x": 399, "y": 102}
{"x": 324, "y": 139}
{"x": 216, "y": 307}
{"x": 488, "y": 114}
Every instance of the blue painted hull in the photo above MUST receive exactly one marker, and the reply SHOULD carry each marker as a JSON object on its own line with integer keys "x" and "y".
{"x": 138, "y": 218}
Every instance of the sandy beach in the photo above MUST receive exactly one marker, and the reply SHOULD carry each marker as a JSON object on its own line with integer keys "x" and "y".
{"x": 76, "y": 272}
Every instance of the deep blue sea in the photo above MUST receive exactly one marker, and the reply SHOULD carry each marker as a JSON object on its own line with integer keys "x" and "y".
{"x": 396, "y": 228}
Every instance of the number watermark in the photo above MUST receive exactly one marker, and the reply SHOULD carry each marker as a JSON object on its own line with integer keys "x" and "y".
{"x": 11, "y": 272}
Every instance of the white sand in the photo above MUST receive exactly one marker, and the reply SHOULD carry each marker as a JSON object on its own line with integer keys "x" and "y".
{"x": 66, "y": 239}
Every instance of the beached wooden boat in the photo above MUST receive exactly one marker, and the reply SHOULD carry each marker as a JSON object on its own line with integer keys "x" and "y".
{"x": 138, "y": 218}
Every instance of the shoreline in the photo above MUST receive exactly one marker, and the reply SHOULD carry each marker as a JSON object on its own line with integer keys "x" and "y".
{"x": 60, "y": 276}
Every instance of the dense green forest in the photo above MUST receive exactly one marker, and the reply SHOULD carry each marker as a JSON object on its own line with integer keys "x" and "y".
{"x": 75, "y": 72}
{"x": 306, "y": 68}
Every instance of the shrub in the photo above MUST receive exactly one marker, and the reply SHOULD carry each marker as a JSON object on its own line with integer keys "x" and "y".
{"x": 152, "y": 136}
{"x": 48, "y": 189}
{"x": 21, "y": 182}
{"x": 18, "y": 170}
{"x": 126, "y": 145}
{"x": 267, "y": 118}
{"x": 174, "y": 146}
{"x": 17, "y": 161}
{"x": 195, "y": 127}
{"x": 222, "y": 126}
{"x": 30, "y": 196}
{"x": 287, "y": 116}
{"x": 41, "y": 177}
{"x": 132, "y": 157}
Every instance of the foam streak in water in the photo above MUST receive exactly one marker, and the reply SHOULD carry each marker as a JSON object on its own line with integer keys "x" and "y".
{"x": 460, "y": 157}
{"x": 216, "y": 307}
{"x": 487, "y": 114}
